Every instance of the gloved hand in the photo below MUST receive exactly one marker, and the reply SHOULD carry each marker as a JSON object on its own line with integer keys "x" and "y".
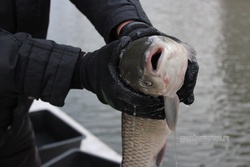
{"x": 137, "y": 30}
{"x": 99, "y": 74}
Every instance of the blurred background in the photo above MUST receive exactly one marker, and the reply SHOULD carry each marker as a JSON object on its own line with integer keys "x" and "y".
{"x": 219, "y": 31}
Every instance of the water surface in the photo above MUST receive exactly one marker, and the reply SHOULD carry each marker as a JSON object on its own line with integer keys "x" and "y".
{"x": 219, "y": 31}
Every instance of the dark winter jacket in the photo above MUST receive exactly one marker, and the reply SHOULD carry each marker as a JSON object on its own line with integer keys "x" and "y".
{"x": 31, "y": 67}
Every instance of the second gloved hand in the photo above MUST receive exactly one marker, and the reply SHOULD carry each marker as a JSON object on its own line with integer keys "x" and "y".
{"x": 99, "y": 74}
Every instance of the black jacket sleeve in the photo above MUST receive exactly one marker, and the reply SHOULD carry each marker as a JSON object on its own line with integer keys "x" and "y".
{"x": 36, "y": 68}
{"x": 105, "y": 15}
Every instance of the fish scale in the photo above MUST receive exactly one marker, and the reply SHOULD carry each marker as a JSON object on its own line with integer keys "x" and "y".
{"x": 142, "y": 140}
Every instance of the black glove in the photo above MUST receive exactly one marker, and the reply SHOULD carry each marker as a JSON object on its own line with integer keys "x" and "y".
{"x": 137, "y": 30}
{"x": 99, "y": 74}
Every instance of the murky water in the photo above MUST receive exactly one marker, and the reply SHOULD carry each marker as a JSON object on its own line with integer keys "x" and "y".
{"x": 219, "y": 31}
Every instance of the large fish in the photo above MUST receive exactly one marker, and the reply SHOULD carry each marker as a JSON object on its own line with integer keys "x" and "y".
{"x": 156, "y": 66}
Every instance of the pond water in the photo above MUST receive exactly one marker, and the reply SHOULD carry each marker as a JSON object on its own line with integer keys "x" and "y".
{"x": 219, "y": 31}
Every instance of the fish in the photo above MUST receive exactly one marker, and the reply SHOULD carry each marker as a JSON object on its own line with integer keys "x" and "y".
{"x": 156, "y": 66}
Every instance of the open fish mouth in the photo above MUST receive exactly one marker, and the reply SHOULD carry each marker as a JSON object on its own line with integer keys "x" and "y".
{"x": 154, "y": 57}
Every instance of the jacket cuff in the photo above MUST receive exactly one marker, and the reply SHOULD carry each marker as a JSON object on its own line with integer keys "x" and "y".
{"x": 120, "y": 16}
{"x": 45, "y": 70}
{"x": 76, "y": 81}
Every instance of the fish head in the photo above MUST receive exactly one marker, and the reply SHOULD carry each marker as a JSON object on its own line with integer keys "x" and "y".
{"x": 155, "y": 65}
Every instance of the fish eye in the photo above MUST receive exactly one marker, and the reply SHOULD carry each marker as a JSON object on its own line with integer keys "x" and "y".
{"x": 147, "y": 83}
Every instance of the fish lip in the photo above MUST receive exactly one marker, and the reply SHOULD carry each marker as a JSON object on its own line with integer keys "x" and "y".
{"x": 150, "y": 55}
{"x": 157, "y": 46}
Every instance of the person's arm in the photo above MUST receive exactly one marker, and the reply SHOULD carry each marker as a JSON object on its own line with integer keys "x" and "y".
{"x": 45, "y": 70}
{"x": 36, "y": 68}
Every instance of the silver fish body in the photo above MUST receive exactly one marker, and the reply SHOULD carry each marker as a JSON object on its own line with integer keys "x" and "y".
{"x": 143, "y": 141}
{"x": 156, "y": 66}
